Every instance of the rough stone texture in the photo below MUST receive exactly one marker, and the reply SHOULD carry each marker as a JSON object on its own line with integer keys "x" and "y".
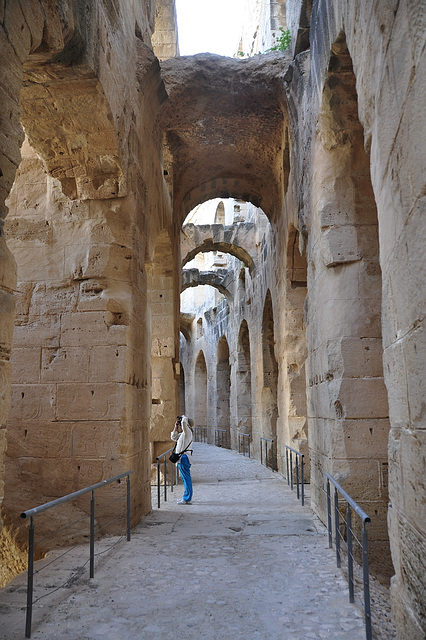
{"x": 212, "y": 157}
{"x": 165, "y": 37}
{"x": 86, "y": 87}
{"x": 330, "y": 144}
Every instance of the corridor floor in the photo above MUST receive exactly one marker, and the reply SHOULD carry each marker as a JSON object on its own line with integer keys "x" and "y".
{"x": 244, "y": 561}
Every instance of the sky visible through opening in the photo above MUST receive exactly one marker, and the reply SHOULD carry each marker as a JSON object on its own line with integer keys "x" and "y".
{"x": 212, "y": 26}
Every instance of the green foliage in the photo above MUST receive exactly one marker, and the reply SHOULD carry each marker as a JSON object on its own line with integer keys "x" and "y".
{"x": 283, "y": 42}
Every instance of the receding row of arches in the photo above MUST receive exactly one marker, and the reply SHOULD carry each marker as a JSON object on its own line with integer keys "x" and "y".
{"x": 316, "y": 382}
{"x": 298, "y": 353}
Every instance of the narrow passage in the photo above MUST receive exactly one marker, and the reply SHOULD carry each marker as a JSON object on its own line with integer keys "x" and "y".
{"x": 243, "y": 561}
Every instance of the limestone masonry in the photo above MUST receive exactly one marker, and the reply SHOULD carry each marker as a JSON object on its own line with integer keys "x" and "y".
{"x": 289, "y": 185}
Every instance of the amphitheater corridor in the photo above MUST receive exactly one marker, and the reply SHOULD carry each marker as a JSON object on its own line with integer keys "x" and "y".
{"x": 244, "y": 560}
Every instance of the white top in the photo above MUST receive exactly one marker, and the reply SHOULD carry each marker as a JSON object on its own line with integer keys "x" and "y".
{"x": 184, "y": 438}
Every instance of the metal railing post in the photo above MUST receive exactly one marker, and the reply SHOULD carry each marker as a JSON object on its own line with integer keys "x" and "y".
{"x": 366, "y": 578}
{"x": 351, "y": 538}
{"x": 350, "y": 556}
{"x": 128, "y": 506}
{"x": 92, "y": 535}
{"x": 336, "y": 526}
{"x": 174, "y": 478}
{"x": 330, "y": 533}
{"x": 300, "y": 471}
{"x": 158, "y": 484}
{"x": 297, "y": 477}
{"x": 30, "y": 578}
{"x": 30, "y": 513}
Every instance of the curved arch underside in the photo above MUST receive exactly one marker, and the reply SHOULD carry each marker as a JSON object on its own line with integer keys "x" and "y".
{"x": 225, "y": 123}
{"x": 224, "y": 247}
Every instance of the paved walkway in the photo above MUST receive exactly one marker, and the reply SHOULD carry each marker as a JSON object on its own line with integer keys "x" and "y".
{"x": 243, "y": 561}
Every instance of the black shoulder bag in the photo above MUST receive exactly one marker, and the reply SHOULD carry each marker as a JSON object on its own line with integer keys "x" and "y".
{"x": 175, "y": 457}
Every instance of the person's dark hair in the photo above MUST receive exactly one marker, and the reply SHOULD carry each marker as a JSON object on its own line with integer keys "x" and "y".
{"x": 179, "y": 419}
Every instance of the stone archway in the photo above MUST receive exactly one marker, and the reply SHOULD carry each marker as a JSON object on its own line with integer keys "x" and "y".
{"x": 200, "y": 391}
{"x": 230, "y": 143}
{"x": 161, "y": 292}
{"x": 243, "y": 397}
{"x": 223, "y": 388}
{"x": 348, "y": 419}
{"x": 270, "y": 379}
{"x": 295, "y": 424}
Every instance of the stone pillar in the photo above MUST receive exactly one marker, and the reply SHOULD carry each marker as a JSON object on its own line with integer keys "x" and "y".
{"x": 164, "y": 374}
{"x": 79, "y": 402}
{"x": 13, "y": 50}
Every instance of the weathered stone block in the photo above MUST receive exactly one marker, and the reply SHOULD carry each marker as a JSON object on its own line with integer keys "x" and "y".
{"x": 90, "y": 401}
{"x": 5, "y": 380}
{"x": 70, "y": 475}
{"x": 109, "y": 364}
{"x": 64, "y": 364}
{"x": 408, "y": 587}
{"x": 91, "y": 328}
{"x": 360, "y": 478}
{"x": 17, "y": 30}
{"x": 395, "y": 374}
{"x": 10, "y": 80}
{"x": 340, "y": 245}
{"x": 39, "y": 439}
{"x": 7, "y": 308}
{"x": 26, "y": 364}
{"x": 7, "y": 268}
{"x": 407, "y": 475}
{"x": 357, "y": 438}
{"x": 44, "y": 329}
{"x": 363, "y": 398}
{"x": 32, "y": 402}
{"x": 95, "y": 440}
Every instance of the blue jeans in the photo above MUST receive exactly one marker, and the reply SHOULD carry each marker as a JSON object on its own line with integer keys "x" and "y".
{"x": 185, "y": 473}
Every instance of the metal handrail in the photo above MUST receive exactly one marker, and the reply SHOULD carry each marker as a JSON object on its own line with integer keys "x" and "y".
{"x": 174, "y": 478}
{"x": 365, "y": 519}
{"x": 200, "y": 434}
{"x": 266, "y": 440}
{"x": 299, "y": 465}
{"x": 244, "y": 443}
{"x": 30, "y": 513}
{"x": 221, "y": 438}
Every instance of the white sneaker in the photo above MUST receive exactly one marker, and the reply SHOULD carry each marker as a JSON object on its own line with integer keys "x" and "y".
{"x": 182, "y": 501}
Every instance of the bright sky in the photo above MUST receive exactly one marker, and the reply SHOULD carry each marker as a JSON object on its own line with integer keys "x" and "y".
{"x": 209, "y": 25}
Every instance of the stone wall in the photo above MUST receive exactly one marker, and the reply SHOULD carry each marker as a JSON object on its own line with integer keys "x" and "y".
{"x": 357, "y": 233}
{"x": 352, "y": 205}
{"x": 328, "y": 139}
{"x": 87, "y": 205}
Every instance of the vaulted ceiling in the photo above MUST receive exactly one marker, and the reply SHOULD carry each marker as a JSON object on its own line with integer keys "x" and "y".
{"x": 225, "y": 123}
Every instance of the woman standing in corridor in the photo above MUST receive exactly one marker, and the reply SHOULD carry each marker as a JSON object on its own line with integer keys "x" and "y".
{"x": 182, "y": 435}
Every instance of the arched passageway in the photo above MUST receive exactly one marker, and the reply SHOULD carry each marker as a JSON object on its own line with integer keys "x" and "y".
{"x": 229, "y": 143}
{"x": 243, "y": 385}
{"x": 270, "y": 380}
{"x": 200, "y": 388}
{"x": 223, "y": 389}
{"x": 295, "y": 424}
{"x": 348, "y": 417}
{"x": 162, "y": 304}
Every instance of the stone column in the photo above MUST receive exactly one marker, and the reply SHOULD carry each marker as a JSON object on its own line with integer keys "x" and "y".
{"x": 80, "y": 385}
